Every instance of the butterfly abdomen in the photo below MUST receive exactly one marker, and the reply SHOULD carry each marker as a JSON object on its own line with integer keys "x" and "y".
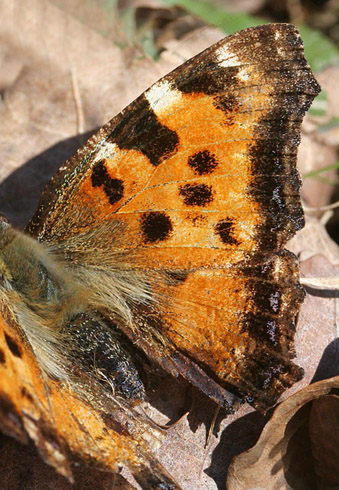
{"x": 98, "y": 348}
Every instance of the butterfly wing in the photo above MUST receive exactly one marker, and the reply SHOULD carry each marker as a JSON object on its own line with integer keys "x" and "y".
{"x": 61, "y": 422}
{"x": 195, "y": 188}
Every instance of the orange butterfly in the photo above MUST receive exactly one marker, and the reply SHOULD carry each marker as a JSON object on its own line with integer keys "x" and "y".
{"x": 163, "y": 236}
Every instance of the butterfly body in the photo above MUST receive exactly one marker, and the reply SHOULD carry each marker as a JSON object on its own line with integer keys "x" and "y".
{"x": 60, "y": 317}
{"x": 38, "y": 292}
{"x": 163, "y": 237}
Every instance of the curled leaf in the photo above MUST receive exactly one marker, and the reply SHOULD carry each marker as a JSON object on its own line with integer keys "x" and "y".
{"x": 298, "y": 448}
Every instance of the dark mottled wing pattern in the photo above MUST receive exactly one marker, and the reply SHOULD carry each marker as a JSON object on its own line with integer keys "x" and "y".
{"x": 199, "y": 175}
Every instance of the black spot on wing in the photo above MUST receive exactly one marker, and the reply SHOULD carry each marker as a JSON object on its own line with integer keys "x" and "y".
{"x": 196, "y": 194}
{"x": 139, "y": 129}
{"x": 113, "y": 188}
{"x": 156, "y": 226}
{"x": 2, "y": 357}
{"x": 203, "y": 162}
{"x": 99, "y": 174}
{"x": 208, "y": 78}
{"x": 224, "y": 229}
{"x": 13, "y": 346}
{"x": 174, "y": 278}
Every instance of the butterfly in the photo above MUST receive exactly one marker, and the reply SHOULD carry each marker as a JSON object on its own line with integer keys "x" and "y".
{"x": 161, "y": 239}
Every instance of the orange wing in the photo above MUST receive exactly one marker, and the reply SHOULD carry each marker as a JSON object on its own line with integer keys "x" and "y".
{"x": 65, "y": 426}
{"x": 197, "y": 182}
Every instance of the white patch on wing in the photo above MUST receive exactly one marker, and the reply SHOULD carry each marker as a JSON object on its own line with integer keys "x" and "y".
{"x": 226, "y": 58}
{"x": 108, "y": 150}
{"x": 245, "y": 230}
{"x": 243, "y": 75}
{"x": 162, "y": 96}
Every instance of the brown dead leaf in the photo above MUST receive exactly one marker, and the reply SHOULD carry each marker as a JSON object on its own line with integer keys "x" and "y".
{"x": 63, "y": 79}
{"x": 329, "y": 135}
{"x": 315, "y": 155}
{"x": 319, "y": 149}
{"x": 324, "y": 436}
{"x": 298, "y": 448}
{"x": 312, "y": 240}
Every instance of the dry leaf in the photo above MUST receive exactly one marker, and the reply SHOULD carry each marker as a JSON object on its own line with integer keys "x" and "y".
{"x": 324, "y": 435}
{"x": 298, "y": 446}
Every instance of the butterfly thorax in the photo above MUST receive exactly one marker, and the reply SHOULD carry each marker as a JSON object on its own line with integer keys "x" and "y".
{"x": 29, "y": 272}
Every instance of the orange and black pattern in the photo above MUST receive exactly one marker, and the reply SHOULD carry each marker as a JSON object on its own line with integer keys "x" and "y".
{"x": 193, "y": 189}
{"x": 200, "y": 171}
